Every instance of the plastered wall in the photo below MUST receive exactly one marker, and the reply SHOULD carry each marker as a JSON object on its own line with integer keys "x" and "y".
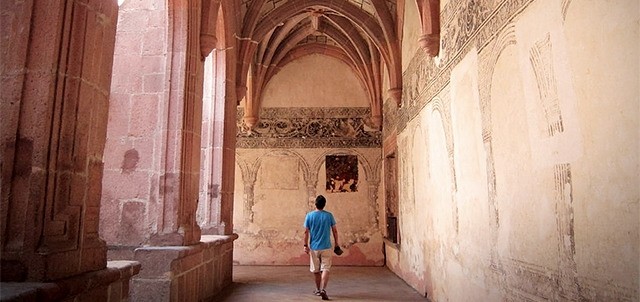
{"x": 518, "y": 153}
{"x": 280, "y": 166}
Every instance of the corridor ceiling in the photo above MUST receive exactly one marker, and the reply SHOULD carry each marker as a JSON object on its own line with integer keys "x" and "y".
{"x": 360, "y": 33}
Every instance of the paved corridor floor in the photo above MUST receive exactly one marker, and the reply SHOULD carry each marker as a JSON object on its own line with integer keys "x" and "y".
{"x": 295, "y": 283}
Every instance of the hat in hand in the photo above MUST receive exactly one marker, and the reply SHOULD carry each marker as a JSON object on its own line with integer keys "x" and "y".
{"x": 338, "y": 250}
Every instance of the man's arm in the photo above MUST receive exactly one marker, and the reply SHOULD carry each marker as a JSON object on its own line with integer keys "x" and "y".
{"x": 306, "y": 240}
{"x": 335, "y": 233}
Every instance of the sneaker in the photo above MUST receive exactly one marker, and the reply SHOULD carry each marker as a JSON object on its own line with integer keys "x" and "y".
{"x": 316, "y": 292}
{"x": 323, "y": 294}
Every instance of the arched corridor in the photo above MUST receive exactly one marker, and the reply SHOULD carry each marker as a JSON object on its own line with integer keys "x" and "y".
{"x": 158, "y": 150}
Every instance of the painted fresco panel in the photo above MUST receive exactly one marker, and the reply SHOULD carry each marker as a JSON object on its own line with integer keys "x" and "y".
{"x": 342, "y": 173}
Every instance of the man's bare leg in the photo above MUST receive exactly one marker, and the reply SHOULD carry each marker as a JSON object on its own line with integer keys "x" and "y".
{"x": 323, "y": 285}
{"x": 318, "y": 276}
{"x": 325, "y": 280}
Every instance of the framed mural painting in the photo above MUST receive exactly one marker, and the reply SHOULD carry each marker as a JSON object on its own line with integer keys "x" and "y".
{"x": 342, "y": 173}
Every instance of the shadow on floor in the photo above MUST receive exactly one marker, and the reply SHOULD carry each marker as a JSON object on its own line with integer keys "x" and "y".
{"x": 295, "y": 283}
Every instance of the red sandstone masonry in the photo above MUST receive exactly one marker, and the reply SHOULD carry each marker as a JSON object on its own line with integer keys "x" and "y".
{"x": 52, "y": 148}
{"x": 110, "y": 284}
{"x": 184, "y": 273}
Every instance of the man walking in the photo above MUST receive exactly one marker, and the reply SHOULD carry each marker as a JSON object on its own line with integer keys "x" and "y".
{"x": 319, "y": 225}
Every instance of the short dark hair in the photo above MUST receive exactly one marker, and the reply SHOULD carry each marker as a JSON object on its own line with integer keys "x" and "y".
{"x": 320, "y": 202}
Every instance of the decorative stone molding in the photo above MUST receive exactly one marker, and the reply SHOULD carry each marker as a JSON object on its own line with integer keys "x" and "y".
{"x": 207, "y": 44}
{"x": 396, "y": 95}
{"x": 430, "y": 43}
{"x": 429, "y": 11}
{"x": 309, "y": 128}
{"x": 241, "y": 92}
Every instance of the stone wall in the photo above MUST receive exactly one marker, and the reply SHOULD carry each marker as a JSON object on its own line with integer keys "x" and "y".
{"x": 184, "y": 273}
{"x": 518, "y": 154}
{"x": 153, "y": 150}
{"x": 277, "y": 187}
{"x": 109, "y": 284}
{"x": 56, "y": 71}
{"x": 280, "y": 166}
{"x": 56, "y": 66}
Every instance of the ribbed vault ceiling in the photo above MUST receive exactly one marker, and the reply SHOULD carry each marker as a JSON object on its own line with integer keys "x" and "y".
{"x": 360, "y": 33}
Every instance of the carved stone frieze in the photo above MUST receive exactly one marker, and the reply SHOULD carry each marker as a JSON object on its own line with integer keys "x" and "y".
{"x": 343, "y": 127}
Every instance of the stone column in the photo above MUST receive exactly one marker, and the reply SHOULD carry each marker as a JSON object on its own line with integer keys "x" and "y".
{"x": 228, "y": 152}
{"x": 211, "y": 177}
{"x": 152, "y": 157}
{"x": 56, "y": 72}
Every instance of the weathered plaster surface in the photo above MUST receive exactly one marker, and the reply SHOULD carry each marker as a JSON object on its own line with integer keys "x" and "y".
{"x": 275, "y": 188}
{"x": 280, "y": 166}
{"x": 315, "y": 81}
{"x": 524, "y": 135}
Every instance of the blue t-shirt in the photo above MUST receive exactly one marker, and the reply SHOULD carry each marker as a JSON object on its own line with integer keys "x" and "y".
{"x": 319, "y": 224}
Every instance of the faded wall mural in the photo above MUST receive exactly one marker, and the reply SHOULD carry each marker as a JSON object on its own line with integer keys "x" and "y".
{"x": 312, "y": 130}
{"x": 530, "y": 169}
{"x": 341, "y": 173}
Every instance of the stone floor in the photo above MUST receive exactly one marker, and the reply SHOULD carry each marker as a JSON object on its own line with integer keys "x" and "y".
{"x": 295, "y": 283}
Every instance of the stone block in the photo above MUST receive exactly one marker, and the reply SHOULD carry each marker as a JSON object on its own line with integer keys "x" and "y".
{"x": 115, "y": 148}
{"x": 132, "y": 21}
{"x": 61, "y": 265}
{"x": 156, "y": 261}
{"x": 157, "y": 18}
{"x": 91, "y": 224}
{"x": 110, "y": 220}
{"x": 153, "y": 83}
{"x": 126, "y": 186}
{"x": 128, "y": 80}
{"x": 118, "y": 120}
{"x": 153, "y": 64}
{"x": 187, "y": 263}
{"x": 132, "y": 223}
{"x": 115, "y": 292}
{"x": 94, "y": 186}
{"x": 146, "y": 148}
{"x": 100, "y": 294}
{"x": 147, "y": 290}
{"x": 127, "y": 42}
{"x": 94, "y": 258}
{"x": 153, "y": 41}
{"x": 144, "y": 111}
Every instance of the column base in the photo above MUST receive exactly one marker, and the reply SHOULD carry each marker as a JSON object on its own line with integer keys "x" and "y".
{"x": 184, "y": 273}
{"x": 111, "y": 282}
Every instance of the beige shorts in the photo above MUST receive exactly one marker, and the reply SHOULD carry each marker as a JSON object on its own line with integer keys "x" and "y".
{"x": 320, "y": 260}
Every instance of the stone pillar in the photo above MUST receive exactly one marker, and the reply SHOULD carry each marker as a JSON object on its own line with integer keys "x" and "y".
{"x": 153, "y": 165}
{"x": 228, "y": 152}
{"x": 212, "y": 144}
{"x": 152, "y": 158}
{"x": 56, "y": 72}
